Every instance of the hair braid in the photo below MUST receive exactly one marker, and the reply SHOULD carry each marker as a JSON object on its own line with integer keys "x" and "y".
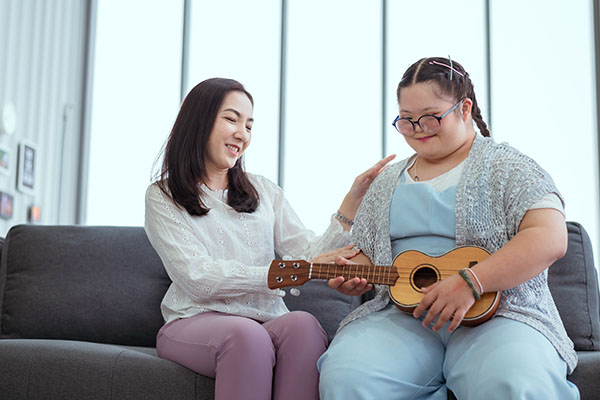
{"x": 476, "y": 113}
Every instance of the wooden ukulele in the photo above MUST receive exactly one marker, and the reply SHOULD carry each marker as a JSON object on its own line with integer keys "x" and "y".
{"x": 411, "y": 271}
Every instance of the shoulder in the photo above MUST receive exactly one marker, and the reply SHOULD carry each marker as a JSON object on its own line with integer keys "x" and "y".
{"x": 159, "y": 204}
{"x": 389, "y": 174}
{"x": 260, "y": 181}
{"x": 499, "y": 150}
{"x": 393, "y": 170}
{"x": 380, "y": 188}
{"x": 504, "y": 157}
{"x": 153, "y": 192}
{"x": 503, "y": 167}
{"x": 264, "y": 186}
{"x": 156, "y": 197}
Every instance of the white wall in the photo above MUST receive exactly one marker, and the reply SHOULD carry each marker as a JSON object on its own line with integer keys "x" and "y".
{"x": 42, "y": 53}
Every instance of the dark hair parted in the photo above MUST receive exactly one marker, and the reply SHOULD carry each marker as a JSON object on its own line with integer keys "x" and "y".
{"x": 438, "y": 70}
{"x": 184, "y": 156}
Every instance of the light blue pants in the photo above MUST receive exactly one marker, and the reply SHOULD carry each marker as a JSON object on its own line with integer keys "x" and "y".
{"x": 390, "y": 355}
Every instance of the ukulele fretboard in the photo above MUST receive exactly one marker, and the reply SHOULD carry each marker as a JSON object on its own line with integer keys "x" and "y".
{"x": 377, "y": 274}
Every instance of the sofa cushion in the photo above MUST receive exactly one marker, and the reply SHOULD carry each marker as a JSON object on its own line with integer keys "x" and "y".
{"x": 328, "y": 305}
{"x": 97, "y": 284}
{"x": 573, "y": 282}
{"x": 59, "y": 369}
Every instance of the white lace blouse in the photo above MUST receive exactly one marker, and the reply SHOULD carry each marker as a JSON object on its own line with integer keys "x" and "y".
{"x": 219, "y": 262}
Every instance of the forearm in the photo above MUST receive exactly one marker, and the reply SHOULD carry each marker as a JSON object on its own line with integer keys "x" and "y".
{"x": 541, "y": 240}
{"x": 335, "y": 236}
{"x": 348, "y": 209}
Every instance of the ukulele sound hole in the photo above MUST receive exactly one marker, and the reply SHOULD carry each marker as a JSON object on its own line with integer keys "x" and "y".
{"x": 424, "y": 276}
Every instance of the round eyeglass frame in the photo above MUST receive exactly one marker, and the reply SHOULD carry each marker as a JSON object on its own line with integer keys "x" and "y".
{"x": 418, "y": 121}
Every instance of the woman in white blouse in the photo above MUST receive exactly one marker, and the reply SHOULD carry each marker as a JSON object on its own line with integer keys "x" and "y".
{"x": 216, "y": 229}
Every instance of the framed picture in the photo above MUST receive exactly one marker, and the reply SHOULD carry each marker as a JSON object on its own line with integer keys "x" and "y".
{"x": 34, "y": 214}
{"x": 6, "y": 205}
{"x": 5, "y": 158}
{"x": 26, "y": 171}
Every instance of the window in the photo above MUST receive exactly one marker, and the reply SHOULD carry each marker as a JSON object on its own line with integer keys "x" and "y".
{"x": 544, "y": 95}
{"x": 135, "y": 99}
{"x": 227, "y": 41}
{"x": 333, "y": 103}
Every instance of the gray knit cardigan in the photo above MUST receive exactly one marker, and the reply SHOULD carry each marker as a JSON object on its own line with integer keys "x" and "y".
{"x": 497, "y": 187}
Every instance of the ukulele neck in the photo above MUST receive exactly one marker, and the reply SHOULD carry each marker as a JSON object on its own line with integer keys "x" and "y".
{"x": 375, "y": 274}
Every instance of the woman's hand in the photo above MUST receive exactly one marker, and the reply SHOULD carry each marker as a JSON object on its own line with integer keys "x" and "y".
{"x": 352, "y": 287}
{"x": 331, "y": 256}
{"x": 450, "y": 299}
{"x": 360, "y": 186}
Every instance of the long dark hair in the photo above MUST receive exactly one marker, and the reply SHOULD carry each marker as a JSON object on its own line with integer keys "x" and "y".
{"x": 437, "y": 69}
{"x": 184, "y": 162}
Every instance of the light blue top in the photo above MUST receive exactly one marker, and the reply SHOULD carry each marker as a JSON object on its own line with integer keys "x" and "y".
{"x": 498, "y": 185}
{"x": 430, "y": 227}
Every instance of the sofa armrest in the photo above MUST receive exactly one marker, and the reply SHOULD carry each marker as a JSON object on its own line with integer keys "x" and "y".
{"x": 573, "y": 282}
{"x": 585, "y": 375}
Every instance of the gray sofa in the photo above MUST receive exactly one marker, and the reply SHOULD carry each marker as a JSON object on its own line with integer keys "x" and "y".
{"x": 79, "y": 312}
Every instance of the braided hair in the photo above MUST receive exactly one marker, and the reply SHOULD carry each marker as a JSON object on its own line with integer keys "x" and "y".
{"x": 452, "y": 80}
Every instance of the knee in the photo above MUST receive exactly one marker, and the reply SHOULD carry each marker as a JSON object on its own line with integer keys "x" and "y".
{"x": 486, "y": 387}
{"x": 334, "y": 371}
{"x": 302, "y": 327}
{"x": 248, "y": 339}
{"x": 338, "y": 378}
{"x": 511, "y": 384}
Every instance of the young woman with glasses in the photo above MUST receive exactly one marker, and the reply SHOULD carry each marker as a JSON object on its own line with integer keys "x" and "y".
{"x": 458, "y": 189}
{"x": 216, "y": 229}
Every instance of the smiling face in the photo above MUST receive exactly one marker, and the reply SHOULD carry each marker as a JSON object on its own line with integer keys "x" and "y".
{"x": 456, "y": 132}
{"x": 229, "y": 137}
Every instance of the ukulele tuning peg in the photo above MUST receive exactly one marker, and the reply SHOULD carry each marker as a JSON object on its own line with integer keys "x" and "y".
{"x": 295, "y": 291}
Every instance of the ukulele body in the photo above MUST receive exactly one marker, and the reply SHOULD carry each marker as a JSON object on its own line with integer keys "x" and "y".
{"x": 417, "y": 270}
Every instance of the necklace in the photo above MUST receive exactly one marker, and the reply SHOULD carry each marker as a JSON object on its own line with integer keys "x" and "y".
{"x": 416, "y": 178}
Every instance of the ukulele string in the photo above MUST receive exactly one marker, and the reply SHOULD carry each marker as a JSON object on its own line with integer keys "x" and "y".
{"x": 376, "y": 274}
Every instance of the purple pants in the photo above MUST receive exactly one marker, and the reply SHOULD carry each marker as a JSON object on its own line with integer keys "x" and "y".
{"x": 249, "y": 360}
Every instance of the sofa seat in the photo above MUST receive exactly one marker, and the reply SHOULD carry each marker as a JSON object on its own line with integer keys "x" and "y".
{"x": 68, "y": 369}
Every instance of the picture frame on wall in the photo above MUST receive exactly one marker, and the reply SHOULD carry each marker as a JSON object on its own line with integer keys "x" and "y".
{"x": 6, "y": 205}
{"x": 34, "y": 214}
{"x": 27, "y": 161}
{"x": 5, "y": 159}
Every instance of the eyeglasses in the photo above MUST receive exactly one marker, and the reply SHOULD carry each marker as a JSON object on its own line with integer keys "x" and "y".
{"x": 428, "y": 123}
